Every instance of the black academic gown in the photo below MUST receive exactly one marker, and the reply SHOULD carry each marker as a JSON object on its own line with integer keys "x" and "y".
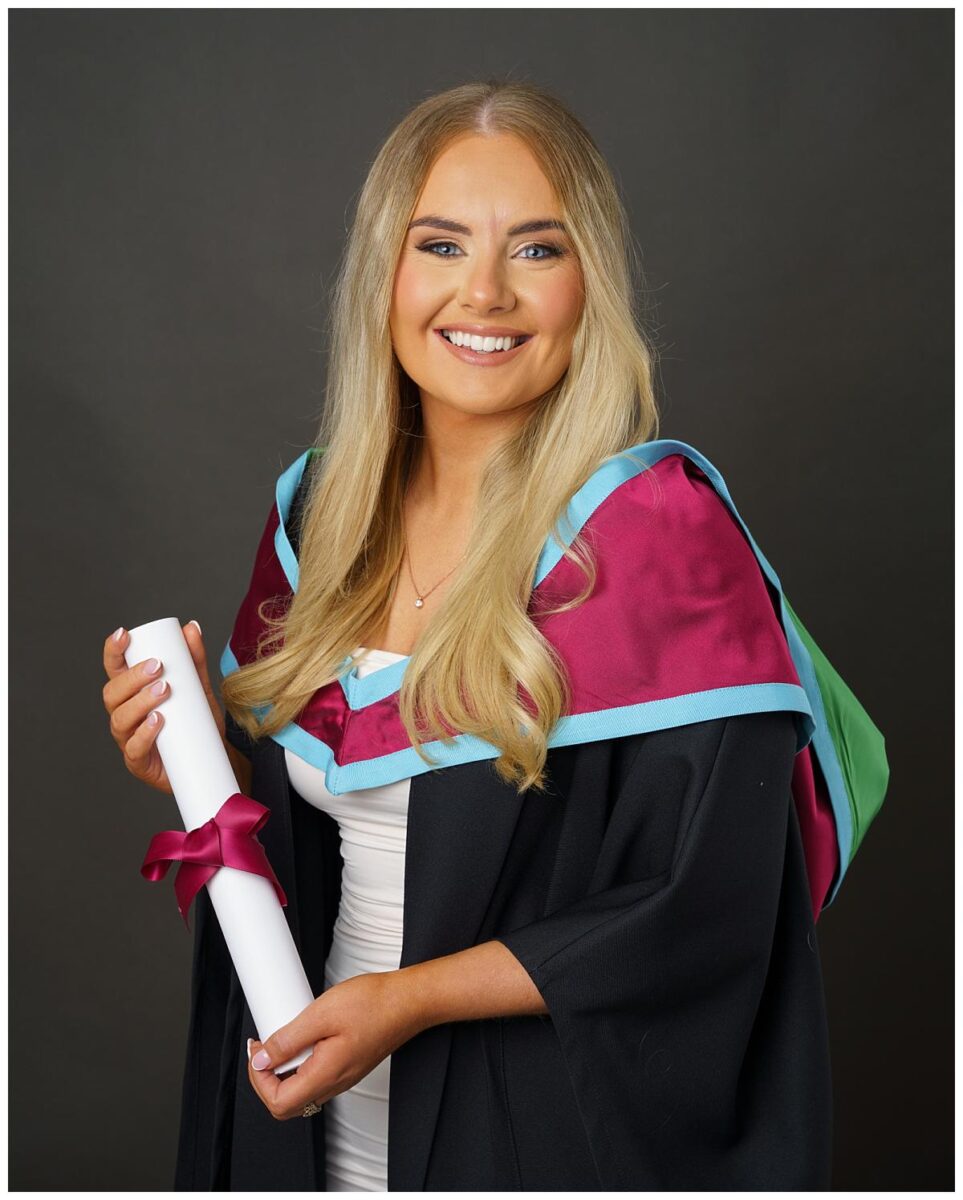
{"x": 658, "y": 897}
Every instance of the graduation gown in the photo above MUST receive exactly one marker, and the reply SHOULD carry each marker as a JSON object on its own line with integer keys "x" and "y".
{"x": 662, "y": 893}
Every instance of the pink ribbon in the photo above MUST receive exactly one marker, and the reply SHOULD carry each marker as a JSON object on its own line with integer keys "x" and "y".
{"x": 228, "y": 839}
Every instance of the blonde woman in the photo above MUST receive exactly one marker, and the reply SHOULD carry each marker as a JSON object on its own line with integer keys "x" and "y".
{"x": 519, "y": 691}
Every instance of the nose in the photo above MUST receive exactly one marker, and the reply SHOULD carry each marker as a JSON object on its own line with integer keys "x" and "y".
{"x": 486, "y": 285}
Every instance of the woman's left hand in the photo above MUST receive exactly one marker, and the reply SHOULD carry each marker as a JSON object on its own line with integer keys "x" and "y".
{"x": 352, "y": 1026}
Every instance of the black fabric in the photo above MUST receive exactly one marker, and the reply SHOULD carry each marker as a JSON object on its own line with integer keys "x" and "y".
{"x": 685, "y": 987}
{"x": 238, "y": 737}
{"x": 658, "y": 897}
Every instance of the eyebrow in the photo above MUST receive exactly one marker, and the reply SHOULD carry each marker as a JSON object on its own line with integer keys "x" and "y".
{"x": 536, "y": 226}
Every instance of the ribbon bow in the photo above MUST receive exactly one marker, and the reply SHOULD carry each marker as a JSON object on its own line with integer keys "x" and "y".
{"x": 228, "y": 839}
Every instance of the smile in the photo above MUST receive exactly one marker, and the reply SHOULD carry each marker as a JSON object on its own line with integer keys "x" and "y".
{"x": 482, "y": 358}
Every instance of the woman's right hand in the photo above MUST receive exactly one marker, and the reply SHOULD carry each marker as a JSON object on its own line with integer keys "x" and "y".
{"x": 131, "y": 703}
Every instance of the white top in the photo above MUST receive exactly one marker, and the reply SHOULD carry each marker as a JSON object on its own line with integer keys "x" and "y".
{"x": 367, "y": 937}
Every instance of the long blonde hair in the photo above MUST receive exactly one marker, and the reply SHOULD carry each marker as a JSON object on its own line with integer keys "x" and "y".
{"x": 464, "y": 674}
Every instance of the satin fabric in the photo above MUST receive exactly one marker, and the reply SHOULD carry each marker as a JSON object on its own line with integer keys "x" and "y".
{"x": 671, "y": 560}
{"x": 228, "y": 839}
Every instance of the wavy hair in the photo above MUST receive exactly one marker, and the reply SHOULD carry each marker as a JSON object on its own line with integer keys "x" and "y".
{"x": 481, "y": 646}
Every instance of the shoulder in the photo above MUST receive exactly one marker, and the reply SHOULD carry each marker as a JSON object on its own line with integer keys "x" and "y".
{"x": 283, "y": 525}
{"x": 294, "y": 482}
{"x": 667, "y": 540}
{"x": 275, "y": 568}
{"x": 663, "y": 495}
{"x": 679, "y": 480}
{"x": 304, "y": 476}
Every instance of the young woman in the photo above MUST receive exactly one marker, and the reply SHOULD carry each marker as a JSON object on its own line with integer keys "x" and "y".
{"x": 553, "y": 794}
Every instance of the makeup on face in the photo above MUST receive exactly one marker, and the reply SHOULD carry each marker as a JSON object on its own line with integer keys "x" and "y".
{"x": 487, "y": 271}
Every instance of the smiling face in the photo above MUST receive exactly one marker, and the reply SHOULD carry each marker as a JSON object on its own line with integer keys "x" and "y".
{"x": 478, "y": 257}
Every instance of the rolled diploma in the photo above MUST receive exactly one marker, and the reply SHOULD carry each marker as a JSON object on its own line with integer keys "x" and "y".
{"x": 248, "y": 910}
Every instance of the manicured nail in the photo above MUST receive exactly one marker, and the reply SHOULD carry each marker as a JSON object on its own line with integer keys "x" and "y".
{"x": 197, "y": 623}
{"x": 152, "y": 666}
{"x": 118, "y": 633}
{"x": 153, "y": 718}
{"x": 261, "y": 1060}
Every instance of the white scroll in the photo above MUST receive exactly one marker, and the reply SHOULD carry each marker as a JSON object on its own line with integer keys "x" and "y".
{"x": 247, "y": 907}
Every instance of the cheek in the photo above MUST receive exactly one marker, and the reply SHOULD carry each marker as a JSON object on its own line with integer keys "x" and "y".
{"x": 415, "y": 299}
{"x": 560, "y": 306}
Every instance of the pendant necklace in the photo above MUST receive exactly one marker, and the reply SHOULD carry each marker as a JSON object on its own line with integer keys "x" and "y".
{"x": 420, "y": 597}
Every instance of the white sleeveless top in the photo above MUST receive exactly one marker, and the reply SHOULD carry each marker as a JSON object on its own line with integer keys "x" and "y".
{"x": 367, "y": 937}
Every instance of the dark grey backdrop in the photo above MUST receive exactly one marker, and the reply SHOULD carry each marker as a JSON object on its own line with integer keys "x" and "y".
{"x": 180, "y": 186}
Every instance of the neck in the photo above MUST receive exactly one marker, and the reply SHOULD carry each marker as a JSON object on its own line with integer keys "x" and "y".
{"x": 451, "y": 457}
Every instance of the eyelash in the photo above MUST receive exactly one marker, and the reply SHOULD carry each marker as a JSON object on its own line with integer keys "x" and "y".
{"x": 554, "y": 250}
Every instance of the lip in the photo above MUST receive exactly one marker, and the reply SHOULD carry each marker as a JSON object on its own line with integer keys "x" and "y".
{"x": 479, "y": 358}
{"x": 486, "y": 330}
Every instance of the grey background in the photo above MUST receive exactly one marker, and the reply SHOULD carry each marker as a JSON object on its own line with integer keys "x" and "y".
{"x": 180, "y": 185}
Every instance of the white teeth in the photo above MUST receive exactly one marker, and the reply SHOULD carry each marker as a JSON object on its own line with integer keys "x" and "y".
{"x": 484, "y": 345}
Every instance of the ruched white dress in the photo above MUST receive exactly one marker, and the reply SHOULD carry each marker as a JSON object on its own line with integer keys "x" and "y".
{"x": 367, "y": 937}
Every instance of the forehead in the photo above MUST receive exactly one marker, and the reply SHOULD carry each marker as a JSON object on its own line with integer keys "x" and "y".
{"x": 489, "y": 179}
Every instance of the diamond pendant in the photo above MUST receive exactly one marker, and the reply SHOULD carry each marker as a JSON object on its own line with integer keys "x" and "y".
{"x": 419, "y": 603}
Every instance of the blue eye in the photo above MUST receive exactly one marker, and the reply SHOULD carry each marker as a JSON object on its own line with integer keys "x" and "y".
{"x": 429, "y": 246}
{"x": 552, "y": 250}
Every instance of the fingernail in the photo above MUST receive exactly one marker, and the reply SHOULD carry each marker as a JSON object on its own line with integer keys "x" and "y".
{"x": 118, "y": 633}
{"x": 152, "y": 666}
{"x": 153, "y": 718}
{"x": 249, "y": 1040}
{"x": 261, "y": 1060}
{"x": 197, "y": 623}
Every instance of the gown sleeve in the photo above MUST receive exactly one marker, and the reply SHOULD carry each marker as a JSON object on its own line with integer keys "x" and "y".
{"x": 694, "y": 1040}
